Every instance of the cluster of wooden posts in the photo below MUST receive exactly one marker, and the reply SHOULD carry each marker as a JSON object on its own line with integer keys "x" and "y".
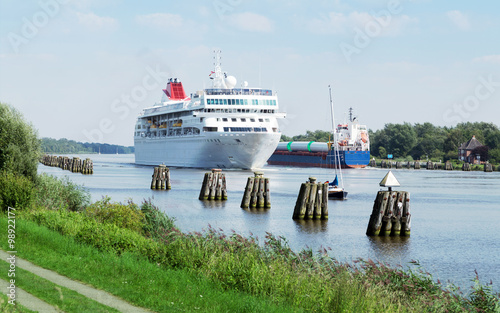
{"x": 213, "y": 186}
{"x": 487, "y": 167}
{"x": 390, "y": 215}
{"x": 74, "y": 164}
{"x": 257, "y": 194}
{"x": 161, "y": 178}
{"x": 312, "y": 201}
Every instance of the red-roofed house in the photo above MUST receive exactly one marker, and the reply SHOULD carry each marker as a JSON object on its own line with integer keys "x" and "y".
{"x": 466, "y": 151}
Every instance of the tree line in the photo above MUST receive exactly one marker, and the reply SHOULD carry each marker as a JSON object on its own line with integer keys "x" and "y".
{"x": 423, "y": 141}
{"x": 50, "y": 145}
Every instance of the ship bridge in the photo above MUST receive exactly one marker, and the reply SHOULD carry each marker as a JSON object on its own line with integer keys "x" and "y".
{"x": 239, "y": 91}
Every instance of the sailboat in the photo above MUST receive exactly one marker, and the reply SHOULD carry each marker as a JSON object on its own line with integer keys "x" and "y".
{"x": 334, "y": 190}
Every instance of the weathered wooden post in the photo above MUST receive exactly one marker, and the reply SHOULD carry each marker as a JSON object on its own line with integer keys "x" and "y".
{"x": 154, "y": 177}
{"x": 383, "y": 164}
{"x": 161, "y": 178}
{"x": 430, "y": 166}
{"x": 213, "y": 186}
{"x": 257, "y": 192}
{"x": 466, "y": 167}
{"x": 312, "y": 201}
{"x": 245, "y": 202}
{"x": 417, "y": 165}
{"x": 448, "y": 166}
{"x": 488, "y": 167}
{"x": 300, "y": 205}
{"x": 311, "y": 198}
{"x": 76, "y": 165}
{"x": 399, "y": 165}
{"x": 391, "y": 210}
{"x": 88, "y": 166}
{"x": 267, "y": 194}
{"x": 373, "y": 163}
{"x": 324, "y": 204}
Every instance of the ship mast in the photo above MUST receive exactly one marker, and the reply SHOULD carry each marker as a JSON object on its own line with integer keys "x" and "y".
{"x": 218, "y": 76}
{"x": 336, "y": 159}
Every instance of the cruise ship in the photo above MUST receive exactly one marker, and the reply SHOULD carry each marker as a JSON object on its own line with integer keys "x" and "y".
{"x": 219, "y": 127}
{"x": 353, "y": 146}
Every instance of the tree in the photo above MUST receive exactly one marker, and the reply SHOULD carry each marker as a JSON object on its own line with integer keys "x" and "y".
{"x": 19, "y": 143}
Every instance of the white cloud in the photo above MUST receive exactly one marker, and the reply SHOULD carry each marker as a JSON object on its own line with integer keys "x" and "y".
{"x": 339, "y": 23}
{"x": 97, "y": 23}
{"x": 459, "y": 19}
{"x": 494, "y": 59}
{"x": 161, "y": 20}
{"x": 251, "y": 22}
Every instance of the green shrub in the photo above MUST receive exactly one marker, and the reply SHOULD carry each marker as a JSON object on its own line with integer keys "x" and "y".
{"x": 19, "y": 143}
{"x": 15, "y": 191}
{"x": 60, "y": 193}
{"x": 156, "y": 223}
{"x": 121, "y": 215}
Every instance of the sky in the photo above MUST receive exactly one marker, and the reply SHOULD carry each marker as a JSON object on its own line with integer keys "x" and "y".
{"x": 83, "y": 70}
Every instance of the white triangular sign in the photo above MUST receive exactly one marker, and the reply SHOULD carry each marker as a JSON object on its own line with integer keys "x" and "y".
{"x": 389, "y": 180}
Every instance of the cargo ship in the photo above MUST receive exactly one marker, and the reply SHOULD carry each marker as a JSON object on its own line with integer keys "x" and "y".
{"x": 219, "y": 127}
{"x": 353, "y": 149}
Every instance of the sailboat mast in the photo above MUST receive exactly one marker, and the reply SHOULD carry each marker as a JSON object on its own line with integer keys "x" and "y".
{"x": 335, "y": 143}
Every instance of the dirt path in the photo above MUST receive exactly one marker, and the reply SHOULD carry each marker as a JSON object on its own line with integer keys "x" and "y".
{"x": 90, "y": 292}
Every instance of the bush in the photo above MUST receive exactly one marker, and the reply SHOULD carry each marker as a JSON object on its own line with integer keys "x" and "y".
{"x": 19, "y": 144}
{"x": 16, "y": 191}
{"x": 122, "y": 215}
{"x": 156, "y": 223}
{"x": 60, "y": 193}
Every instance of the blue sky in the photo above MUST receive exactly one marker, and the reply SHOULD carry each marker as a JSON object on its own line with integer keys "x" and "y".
{"x": 83, "y": 70}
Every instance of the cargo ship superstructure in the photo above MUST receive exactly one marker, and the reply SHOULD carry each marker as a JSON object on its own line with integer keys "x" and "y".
{"x": 353, "y": 148}
{"x": 218, "y": 127}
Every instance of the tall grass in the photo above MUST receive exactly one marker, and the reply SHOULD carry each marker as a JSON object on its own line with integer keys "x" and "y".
{"x": 305, "y": 280}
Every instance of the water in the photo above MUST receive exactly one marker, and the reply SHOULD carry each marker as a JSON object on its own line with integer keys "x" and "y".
{"x": 455, "y": 214}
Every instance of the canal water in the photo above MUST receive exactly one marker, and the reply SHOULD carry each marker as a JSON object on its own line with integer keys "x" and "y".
{"x": 455, "y": 214}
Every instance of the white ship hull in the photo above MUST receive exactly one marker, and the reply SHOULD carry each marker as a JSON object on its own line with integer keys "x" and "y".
{"x": 218, "y": 127}
{"x": 215, "y": 150}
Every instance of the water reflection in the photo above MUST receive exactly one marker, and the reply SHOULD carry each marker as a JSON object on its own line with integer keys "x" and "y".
{"x": 391, "y": 248}
{"x": 213, "y": 204}
{"x": 256, "y": 210}
{"x": 312, "y": 226}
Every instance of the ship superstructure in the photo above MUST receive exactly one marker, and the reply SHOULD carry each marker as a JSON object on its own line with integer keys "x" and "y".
{"x": 222, "y": 126}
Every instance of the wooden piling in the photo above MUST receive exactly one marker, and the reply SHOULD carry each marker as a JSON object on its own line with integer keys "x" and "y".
{"x": 312, "y": 201}
{"x": 466, "y": 167}
{"x": 406, "y": 217}
{"x": 417, "y": 165}
{"x": 324, "y": 203}
{"x": 74, "y": 164}
{"x": 267, "y": 194}
{"x": 213, "y": 186}
{"x": 387, "y": 218}
{"x": 161, "y": 178}
{"x": 245, "y": 202}
{"x": 257, "y": 192}
{"x": 448, "y": 166}
{"x": 300, "y": 205}
{"x": 373, "y": 163}
{"x": 383, "y": 164}
{"x": 399, "y": 165}
{"x": 488, "y": 167}
{"x": 430, "y": 165}
{"x": 390, "y": 214}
